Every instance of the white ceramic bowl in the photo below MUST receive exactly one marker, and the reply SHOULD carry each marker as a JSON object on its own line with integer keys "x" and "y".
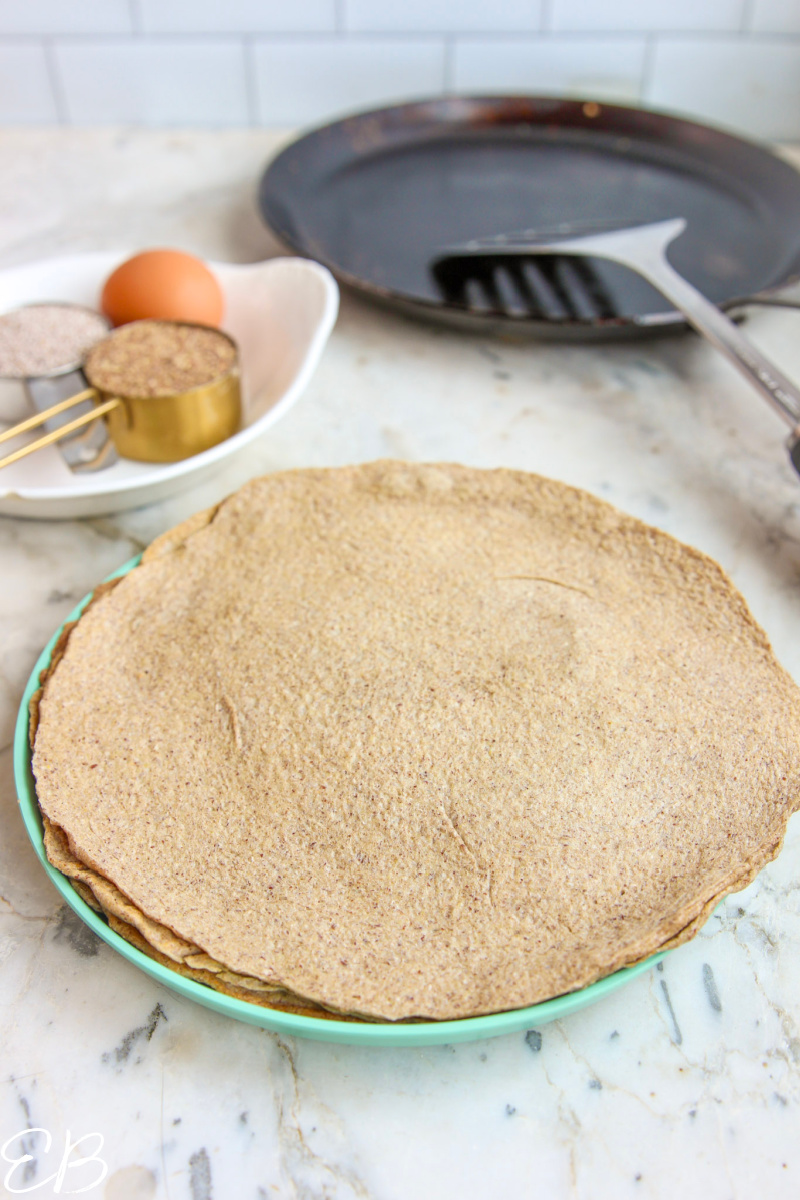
{"x": 280, "y": 312}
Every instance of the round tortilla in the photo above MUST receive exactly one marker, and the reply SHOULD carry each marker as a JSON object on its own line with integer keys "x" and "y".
{"x": 420, "y": 741}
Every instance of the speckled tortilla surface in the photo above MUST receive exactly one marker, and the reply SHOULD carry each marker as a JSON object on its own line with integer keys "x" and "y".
{"x": 408, "y": 741}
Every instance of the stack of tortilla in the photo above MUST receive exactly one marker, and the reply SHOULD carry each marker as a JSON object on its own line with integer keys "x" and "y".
{"x": 408, "y": 742}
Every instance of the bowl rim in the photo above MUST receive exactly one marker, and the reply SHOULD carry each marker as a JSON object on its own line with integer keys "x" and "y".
{"x": 421, "y": 1033}
{"x": 98, "y": 487}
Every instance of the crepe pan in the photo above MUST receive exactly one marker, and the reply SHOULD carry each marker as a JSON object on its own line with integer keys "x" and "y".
{"x": 376, "y": 196}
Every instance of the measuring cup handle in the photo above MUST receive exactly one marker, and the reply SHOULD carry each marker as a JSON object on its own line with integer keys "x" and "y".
{"x": 31, "y": 423}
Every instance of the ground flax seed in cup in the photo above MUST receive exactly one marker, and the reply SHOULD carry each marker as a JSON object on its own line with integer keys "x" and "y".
{"x": 159, "y": 358}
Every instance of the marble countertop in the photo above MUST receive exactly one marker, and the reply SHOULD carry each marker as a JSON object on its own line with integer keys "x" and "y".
{"x": 684, "y": 1083}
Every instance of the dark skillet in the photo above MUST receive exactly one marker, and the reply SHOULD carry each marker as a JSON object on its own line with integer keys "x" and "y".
{"x": 377, "y": 196}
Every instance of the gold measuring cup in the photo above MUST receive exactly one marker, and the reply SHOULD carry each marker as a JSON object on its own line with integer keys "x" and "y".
{"x": 156, "y": 429}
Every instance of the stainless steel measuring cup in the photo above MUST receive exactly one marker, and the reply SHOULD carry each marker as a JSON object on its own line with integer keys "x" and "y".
{"x": 86, "y": 449}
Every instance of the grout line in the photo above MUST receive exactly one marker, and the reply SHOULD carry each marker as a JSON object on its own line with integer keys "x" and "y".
{"x": 340, "y": 16}
{"x": 449, "y": 64}
{"x": 546, "y": 17}
{"x": 748, "y": 16}
{"x": 535, "y": 37}
{"x": 56, "y": 85}
{"x": 250, "y": 82}
{"x": 731, "y": 36}
{"x": 648, "y": 66}
{"x": 137, "y": 22}
{"x": 227, "y": 37}
{"x": 492, "y": 35}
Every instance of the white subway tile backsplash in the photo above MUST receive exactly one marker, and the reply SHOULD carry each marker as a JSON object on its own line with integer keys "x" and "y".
{"x": 25, "y": 93}
{"x": 604, "y": 67}
{"x": 752, "y": 86}
{"x": 309, "y": 80}
{"x": 65, "y": 16}
{"x": 289, "y": 62}
{"x": 167, "y": 82}
{"x": 776, "y": 16}
{"x": 238, "y": 16}
{"x": 442, "y": 16}
{"x": 628, "y": 16}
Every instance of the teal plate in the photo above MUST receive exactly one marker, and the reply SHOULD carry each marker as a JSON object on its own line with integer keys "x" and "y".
{"x": 427, "y": 1033}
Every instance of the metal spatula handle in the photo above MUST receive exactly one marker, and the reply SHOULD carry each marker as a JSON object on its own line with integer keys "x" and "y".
{"x": 643, "y": 248}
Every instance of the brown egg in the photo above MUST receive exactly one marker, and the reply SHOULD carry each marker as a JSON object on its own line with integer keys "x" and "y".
{"x": 166, "y": 285}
